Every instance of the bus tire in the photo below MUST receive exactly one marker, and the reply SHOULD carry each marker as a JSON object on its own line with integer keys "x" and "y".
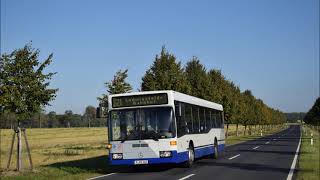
{"x": 191, "y": 157}
{"x": 216, "y": 152}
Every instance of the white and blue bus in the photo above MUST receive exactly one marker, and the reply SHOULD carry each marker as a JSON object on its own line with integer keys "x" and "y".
{"x": 154, "y": 127}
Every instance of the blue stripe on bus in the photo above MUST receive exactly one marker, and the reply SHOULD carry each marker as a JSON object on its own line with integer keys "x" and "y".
{"x": 176, "y": 157}
{"x": 204, "y": 151}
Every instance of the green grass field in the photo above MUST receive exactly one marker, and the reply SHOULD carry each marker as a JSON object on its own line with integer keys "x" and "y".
{"x": 52, "y": 146}
{"x": 309, "y": 159}
{"x": 71, "y": 153}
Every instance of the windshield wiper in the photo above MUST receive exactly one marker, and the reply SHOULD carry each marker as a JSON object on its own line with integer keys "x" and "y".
{"x": 123, "y": 140}
{"x": 155, "y": 137}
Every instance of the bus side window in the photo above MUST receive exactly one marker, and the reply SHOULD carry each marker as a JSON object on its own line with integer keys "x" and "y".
{"x": 181, "y": 125}
{"x": 188, "y": 118}
{"x": 218, "y": 115}
{"x": 214, "y": 118}
{"x": 195, "y": 118}
{"x": 208, "y": 120}
{"x": 202, "y": 120}
{"x": 222, "y": 119}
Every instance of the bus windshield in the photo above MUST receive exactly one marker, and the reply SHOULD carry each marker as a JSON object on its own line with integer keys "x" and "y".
{"x": 142, "y": 123}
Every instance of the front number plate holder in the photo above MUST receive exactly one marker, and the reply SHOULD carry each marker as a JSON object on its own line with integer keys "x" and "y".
{"x": 138, "y": 162}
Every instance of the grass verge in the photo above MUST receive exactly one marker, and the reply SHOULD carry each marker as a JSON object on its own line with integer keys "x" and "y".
{"x": 309, "y": 158}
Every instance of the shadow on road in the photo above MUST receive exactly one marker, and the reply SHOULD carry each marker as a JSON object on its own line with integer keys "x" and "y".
{"x": 101, "y": 165}
{"x": 96, "y": 164}
{"x": 245, "y": 166}
{"x": 248, "y": 166}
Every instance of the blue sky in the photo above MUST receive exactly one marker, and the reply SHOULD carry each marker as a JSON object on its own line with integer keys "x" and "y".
{"x": 268, "y": 46}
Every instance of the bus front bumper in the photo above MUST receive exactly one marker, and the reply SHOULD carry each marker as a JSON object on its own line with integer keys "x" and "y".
{"x": 175, "y": 158}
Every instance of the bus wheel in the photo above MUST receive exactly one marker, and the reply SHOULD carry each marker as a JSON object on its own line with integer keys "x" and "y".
{"x": 216, "y": 152}
{"x": 191, "y": 156}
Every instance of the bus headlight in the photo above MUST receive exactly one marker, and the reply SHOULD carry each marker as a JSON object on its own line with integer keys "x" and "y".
{"x": 117, "y": 156}
{"x": 165, "y": 154}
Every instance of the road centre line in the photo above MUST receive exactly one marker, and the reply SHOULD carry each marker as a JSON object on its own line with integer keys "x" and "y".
{"x": 186, "y": 177}
{"x": 234, "y": 156}
{"x": 256, "y": 147}
{"x": 101, "y": 176}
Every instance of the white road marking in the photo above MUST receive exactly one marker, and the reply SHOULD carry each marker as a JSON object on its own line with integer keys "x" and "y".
{"x": 186, "y": 177}
{"x": 267, "y": 142}
{"x": 294, "y": 162}
{"x": 234, "y": 156}
{"x": 256, "y": 147}
{"x": 101, "y": 176}
{"x": 274, "y": 139}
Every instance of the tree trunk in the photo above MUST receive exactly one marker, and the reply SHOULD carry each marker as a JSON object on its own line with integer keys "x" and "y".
{"x": 237, "y": 130}
{"x": 11, "y": 149}
{"x": 19, "y": 149}
{"x": 89, "y": 119}
{"x": 28, "y": 148}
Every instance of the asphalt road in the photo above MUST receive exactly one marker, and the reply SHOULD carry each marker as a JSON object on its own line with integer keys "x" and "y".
{"x": 269, "y": 157}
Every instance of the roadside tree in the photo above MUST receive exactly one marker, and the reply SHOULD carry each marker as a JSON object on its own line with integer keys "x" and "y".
{"x": 165, "y": 74}
{"x": 24, "y": 87}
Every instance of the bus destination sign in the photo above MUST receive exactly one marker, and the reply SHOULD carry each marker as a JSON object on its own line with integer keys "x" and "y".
{"x": 140, "y": 100}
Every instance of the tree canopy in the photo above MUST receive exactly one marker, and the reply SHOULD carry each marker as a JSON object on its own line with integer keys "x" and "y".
{"x": 165, "y": 74}
{"x": 243, "y": 108}
{"x": 197, "y": 78}
{"x": 313, "y": 115}
{"x": 24, "y": 87}
{"x": 117, "y": 85}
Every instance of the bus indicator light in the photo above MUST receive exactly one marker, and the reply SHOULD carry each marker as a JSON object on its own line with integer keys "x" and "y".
{"x": 173, "y": 143}
{"x": 109, "y": 146}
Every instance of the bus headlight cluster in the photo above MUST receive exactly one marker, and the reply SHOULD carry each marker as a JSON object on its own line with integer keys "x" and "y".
{"x": 165, "y": 154}
{"x": 117, "y": 156}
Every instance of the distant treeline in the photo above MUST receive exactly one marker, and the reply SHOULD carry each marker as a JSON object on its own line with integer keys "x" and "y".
{"x": 53, "y": 120}
{"x": 294, "y": 116}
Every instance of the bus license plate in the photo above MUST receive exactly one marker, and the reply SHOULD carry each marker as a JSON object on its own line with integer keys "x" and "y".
{"x": 137, "y": 162}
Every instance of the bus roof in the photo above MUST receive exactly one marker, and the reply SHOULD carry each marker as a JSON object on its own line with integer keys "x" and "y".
{"x": 177, "y": 96}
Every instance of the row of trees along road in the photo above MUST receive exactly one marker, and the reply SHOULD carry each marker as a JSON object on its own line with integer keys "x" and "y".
{"x": 166, "y": 73}
{"x": 313, "y": 115}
